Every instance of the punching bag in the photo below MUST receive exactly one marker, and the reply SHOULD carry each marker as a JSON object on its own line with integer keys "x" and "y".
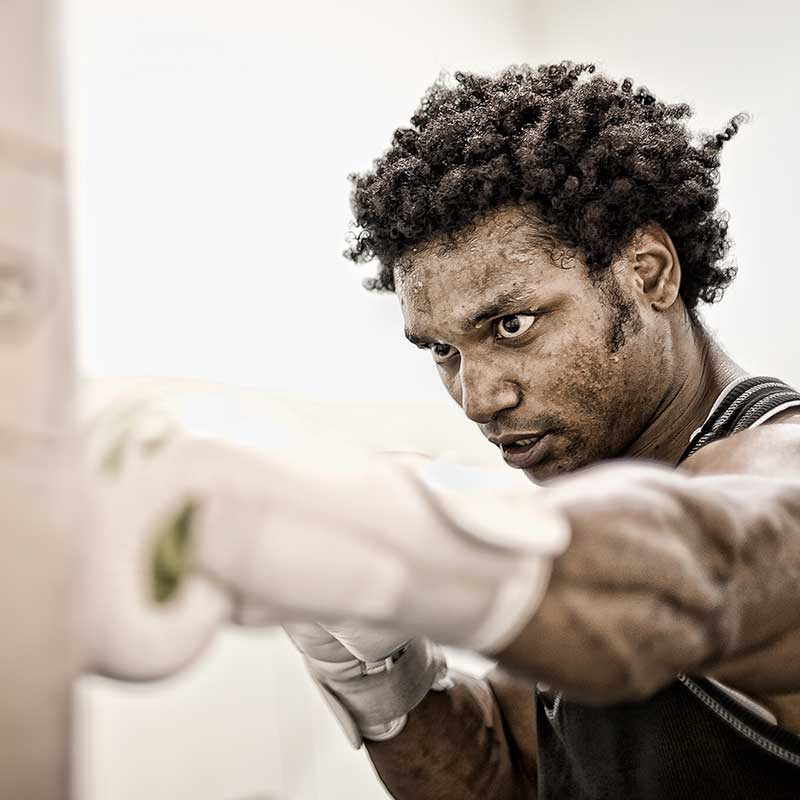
{"x": 40, "y": 485}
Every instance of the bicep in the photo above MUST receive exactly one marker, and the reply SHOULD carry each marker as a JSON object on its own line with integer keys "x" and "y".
{"x": 771, "y": 451}
{"x": 668, "y": 573}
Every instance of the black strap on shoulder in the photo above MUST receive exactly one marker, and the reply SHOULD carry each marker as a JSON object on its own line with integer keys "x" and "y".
{"x": 743, "y": 405}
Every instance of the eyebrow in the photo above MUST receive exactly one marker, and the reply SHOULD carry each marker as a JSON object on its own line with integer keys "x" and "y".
{"x": 502, "y": 303}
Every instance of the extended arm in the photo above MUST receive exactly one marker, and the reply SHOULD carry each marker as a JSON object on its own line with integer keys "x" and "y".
{"x": 694, "y": 571}
{"x": 666, "y": 572}
{"x": 660, "y": 571}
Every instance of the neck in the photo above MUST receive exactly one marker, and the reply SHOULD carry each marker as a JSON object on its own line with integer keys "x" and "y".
{"x": 705, "y": 370}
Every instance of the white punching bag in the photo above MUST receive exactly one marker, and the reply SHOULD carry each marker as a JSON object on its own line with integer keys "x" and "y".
{"x": 75, "y": 582}
{"x": 41, "y": 651}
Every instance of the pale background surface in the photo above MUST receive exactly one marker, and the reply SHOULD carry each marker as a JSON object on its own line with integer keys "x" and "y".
{"x": 211, "y": 144}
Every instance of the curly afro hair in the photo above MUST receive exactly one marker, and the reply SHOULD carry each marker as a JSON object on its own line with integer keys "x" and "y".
{"x": 595, "y": 158}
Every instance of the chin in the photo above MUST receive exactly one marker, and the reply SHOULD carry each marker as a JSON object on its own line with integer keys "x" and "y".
{"x": 542, "y": 472}
{"x": 551, "y": 468}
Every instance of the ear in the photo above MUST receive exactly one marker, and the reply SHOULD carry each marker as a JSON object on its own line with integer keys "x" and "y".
{"x": 657, "y": 267}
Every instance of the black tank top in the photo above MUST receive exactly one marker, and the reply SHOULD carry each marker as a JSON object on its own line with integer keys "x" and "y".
{"x": 692, "y": 740}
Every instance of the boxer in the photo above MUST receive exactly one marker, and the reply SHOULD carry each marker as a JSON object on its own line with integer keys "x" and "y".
{"x": 550, "y": 234}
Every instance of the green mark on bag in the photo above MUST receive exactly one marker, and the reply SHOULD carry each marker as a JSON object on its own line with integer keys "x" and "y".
{"x": 171, "y": 562}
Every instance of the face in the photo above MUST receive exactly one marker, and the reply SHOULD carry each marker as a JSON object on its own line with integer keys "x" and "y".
{"x": 557, "y": 369}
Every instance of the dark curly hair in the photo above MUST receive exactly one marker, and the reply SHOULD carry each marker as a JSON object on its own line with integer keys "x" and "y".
{"x": 595, "y": 158}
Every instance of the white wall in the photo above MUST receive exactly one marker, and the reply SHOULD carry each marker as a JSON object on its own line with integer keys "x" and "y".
{"x": 213, "y": 141}
{"x": 211, "y": 145}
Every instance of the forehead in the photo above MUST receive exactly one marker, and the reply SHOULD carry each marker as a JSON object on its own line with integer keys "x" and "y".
{"x": 508, "y": 256}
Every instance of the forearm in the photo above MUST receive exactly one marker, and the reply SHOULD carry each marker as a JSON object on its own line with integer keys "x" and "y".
{"x": 665, "y": 573}
{"x": 457, "y": 745}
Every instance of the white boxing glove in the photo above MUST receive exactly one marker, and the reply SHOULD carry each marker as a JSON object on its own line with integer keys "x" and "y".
{"x": 192, "y": 532}
{"x": 344, "y": 535}
{"x": 148, "y": 616}
{"x": 370, "y": 677}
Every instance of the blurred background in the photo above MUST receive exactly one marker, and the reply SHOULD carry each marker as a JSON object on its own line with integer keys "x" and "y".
{"x": 210, "y": 147}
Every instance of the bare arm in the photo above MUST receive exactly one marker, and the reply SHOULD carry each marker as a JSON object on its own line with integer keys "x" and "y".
{"x": 695, "y": 570}
{"x": 474, "y": 741}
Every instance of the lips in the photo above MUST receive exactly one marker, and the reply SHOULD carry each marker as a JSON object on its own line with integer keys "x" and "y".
{"x": 524, "y": 452}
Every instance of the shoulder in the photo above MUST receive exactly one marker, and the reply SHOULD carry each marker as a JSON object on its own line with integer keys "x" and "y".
{"x": 770, "y": 450}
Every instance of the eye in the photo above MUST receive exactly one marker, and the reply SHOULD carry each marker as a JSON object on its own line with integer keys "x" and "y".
{"x": 513, "y": 325}
{"x": 442, "y": 352}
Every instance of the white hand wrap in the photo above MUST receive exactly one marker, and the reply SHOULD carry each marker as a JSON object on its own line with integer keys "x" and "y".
{"x": 370, "y": 678}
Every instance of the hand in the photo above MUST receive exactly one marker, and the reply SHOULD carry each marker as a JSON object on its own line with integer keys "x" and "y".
{"x": 370, "y": 677}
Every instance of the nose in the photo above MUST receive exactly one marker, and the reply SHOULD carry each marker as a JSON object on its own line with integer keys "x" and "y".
{"x": 484, "y": 393}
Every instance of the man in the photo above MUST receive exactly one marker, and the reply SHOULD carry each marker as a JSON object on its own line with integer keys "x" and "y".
{"x": 549, "y": 236}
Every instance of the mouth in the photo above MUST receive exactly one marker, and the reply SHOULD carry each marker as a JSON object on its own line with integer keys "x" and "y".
{"x": 524, "y": 452}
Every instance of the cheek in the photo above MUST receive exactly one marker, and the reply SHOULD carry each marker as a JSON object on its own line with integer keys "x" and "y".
{"x": 577, "y": 382}
{"x": 602, "y": 398}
